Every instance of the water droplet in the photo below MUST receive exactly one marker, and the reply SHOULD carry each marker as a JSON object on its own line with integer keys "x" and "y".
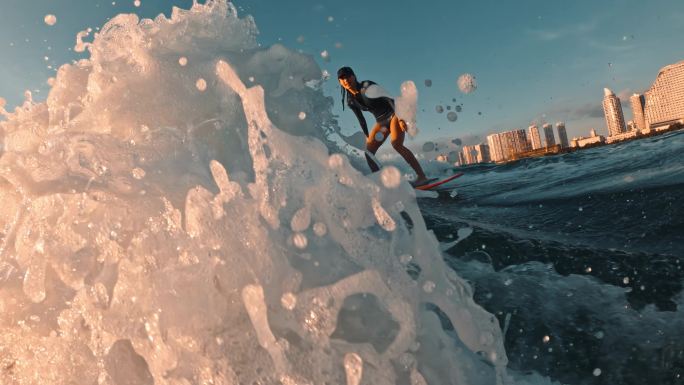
{"x": 288, "y": 300}
{"x": 301, "y": 220}
{"x": 138, "y": 173}
{"x": 406, "y": 259}
{"x": 50, "y": 19}
{"x": 300, "y": 240}
{"x": 467, "y": 83}
{"x": 201, "y": 84}
{"x": 320, "y": 229}
{"x": 325, "y": 55}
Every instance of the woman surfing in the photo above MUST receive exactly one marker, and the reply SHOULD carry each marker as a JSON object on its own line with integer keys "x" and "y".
{"x": 387, "y": 123}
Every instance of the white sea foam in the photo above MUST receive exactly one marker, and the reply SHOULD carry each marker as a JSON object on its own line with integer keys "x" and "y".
{"x": 150, "y": 233}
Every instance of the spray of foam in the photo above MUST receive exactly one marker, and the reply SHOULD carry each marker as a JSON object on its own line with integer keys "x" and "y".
{"x": 155, "y": 233}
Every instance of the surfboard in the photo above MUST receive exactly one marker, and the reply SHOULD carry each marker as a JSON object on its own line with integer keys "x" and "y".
{"x": 431, "y": 185}
{"x": 435, "y": 184}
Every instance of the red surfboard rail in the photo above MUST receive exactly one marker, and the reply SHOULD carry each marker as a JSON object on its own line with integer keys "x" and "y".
{"x": 439, "y": 182}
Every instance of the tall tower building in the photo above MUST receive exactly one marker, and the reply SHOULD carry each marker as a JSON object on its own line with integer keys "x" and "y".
{"x": 535, "y": 139}
{"x": 637, "y": 102}
{"x": 612, "y": 109}
{"x": 504, "y": 145}
{"x": 517, "y": 141}
{"x": 496, "y": 149}
{"x": 562, "y": 135}
{"x": 548, "y": 135}
{"x": 470, "y": 154}
{"x": 482, "y": 153}
{"x": 664, "y": 101}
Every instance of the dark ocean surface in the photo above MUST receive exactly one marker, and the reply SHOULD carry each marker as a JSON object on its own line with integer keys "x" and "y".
{"x": 580, "y": 256}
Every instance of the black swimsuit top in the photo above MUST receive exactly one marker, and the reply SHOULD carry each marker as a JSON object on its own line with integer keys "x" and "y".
{"x": 382, "y": 107}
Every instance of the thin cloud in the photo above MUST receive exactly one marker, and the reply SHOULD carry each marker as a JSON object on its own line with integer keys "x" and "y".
{"x": 588, "y": 110}
{"x": 582, "y": 111}
{"x": 625, "y": 94}
{"x": 547, "y": 35}
{"x": 616, "y": 47}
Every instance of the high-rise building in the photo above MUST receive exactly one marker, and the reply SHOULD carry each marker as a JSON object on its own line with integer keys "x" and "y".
{"x": 664, "y": 101}
{"x": 562, "y": 135}
{"x": 504, "y": 145}
{"x": 478, "y": 153}
{"x": 483, "y": 153}
{"x": 469, "y": 154}
{"x": 637, "y": 102}
{"x": 496, "y": 148}
{"x": 548, "y": 135}
{"x": 612, "y": 109}
{"x": 535, "y": 139}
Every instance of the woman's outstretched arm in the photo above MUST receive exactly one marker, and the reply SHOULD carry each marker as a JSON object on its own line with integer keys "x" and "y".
{"x": 362, "y": 119}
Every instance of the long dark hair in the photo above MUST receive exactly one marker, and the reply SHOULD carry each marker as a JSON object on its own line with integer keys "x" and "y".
{"x": 345, "y": 71}
{"x": 344, "y": 94}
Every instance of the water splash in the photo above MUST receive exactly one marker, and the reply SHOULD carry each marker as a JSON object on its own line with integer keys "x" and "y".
{"x": 146, "y": 227}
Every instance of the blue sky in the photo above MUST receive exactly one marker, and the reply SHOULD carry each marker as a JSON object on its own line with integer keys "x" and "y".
{"x": 534, "y": 60}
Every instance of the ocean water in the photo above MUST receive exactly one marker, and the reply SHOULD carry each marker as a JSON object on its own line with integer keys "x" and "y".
{"x": 582, "y": 255}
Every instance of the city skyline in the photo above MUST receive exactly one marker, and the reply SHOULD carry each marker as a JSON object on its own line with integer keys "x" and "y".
{"x": 660, "y": 109}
